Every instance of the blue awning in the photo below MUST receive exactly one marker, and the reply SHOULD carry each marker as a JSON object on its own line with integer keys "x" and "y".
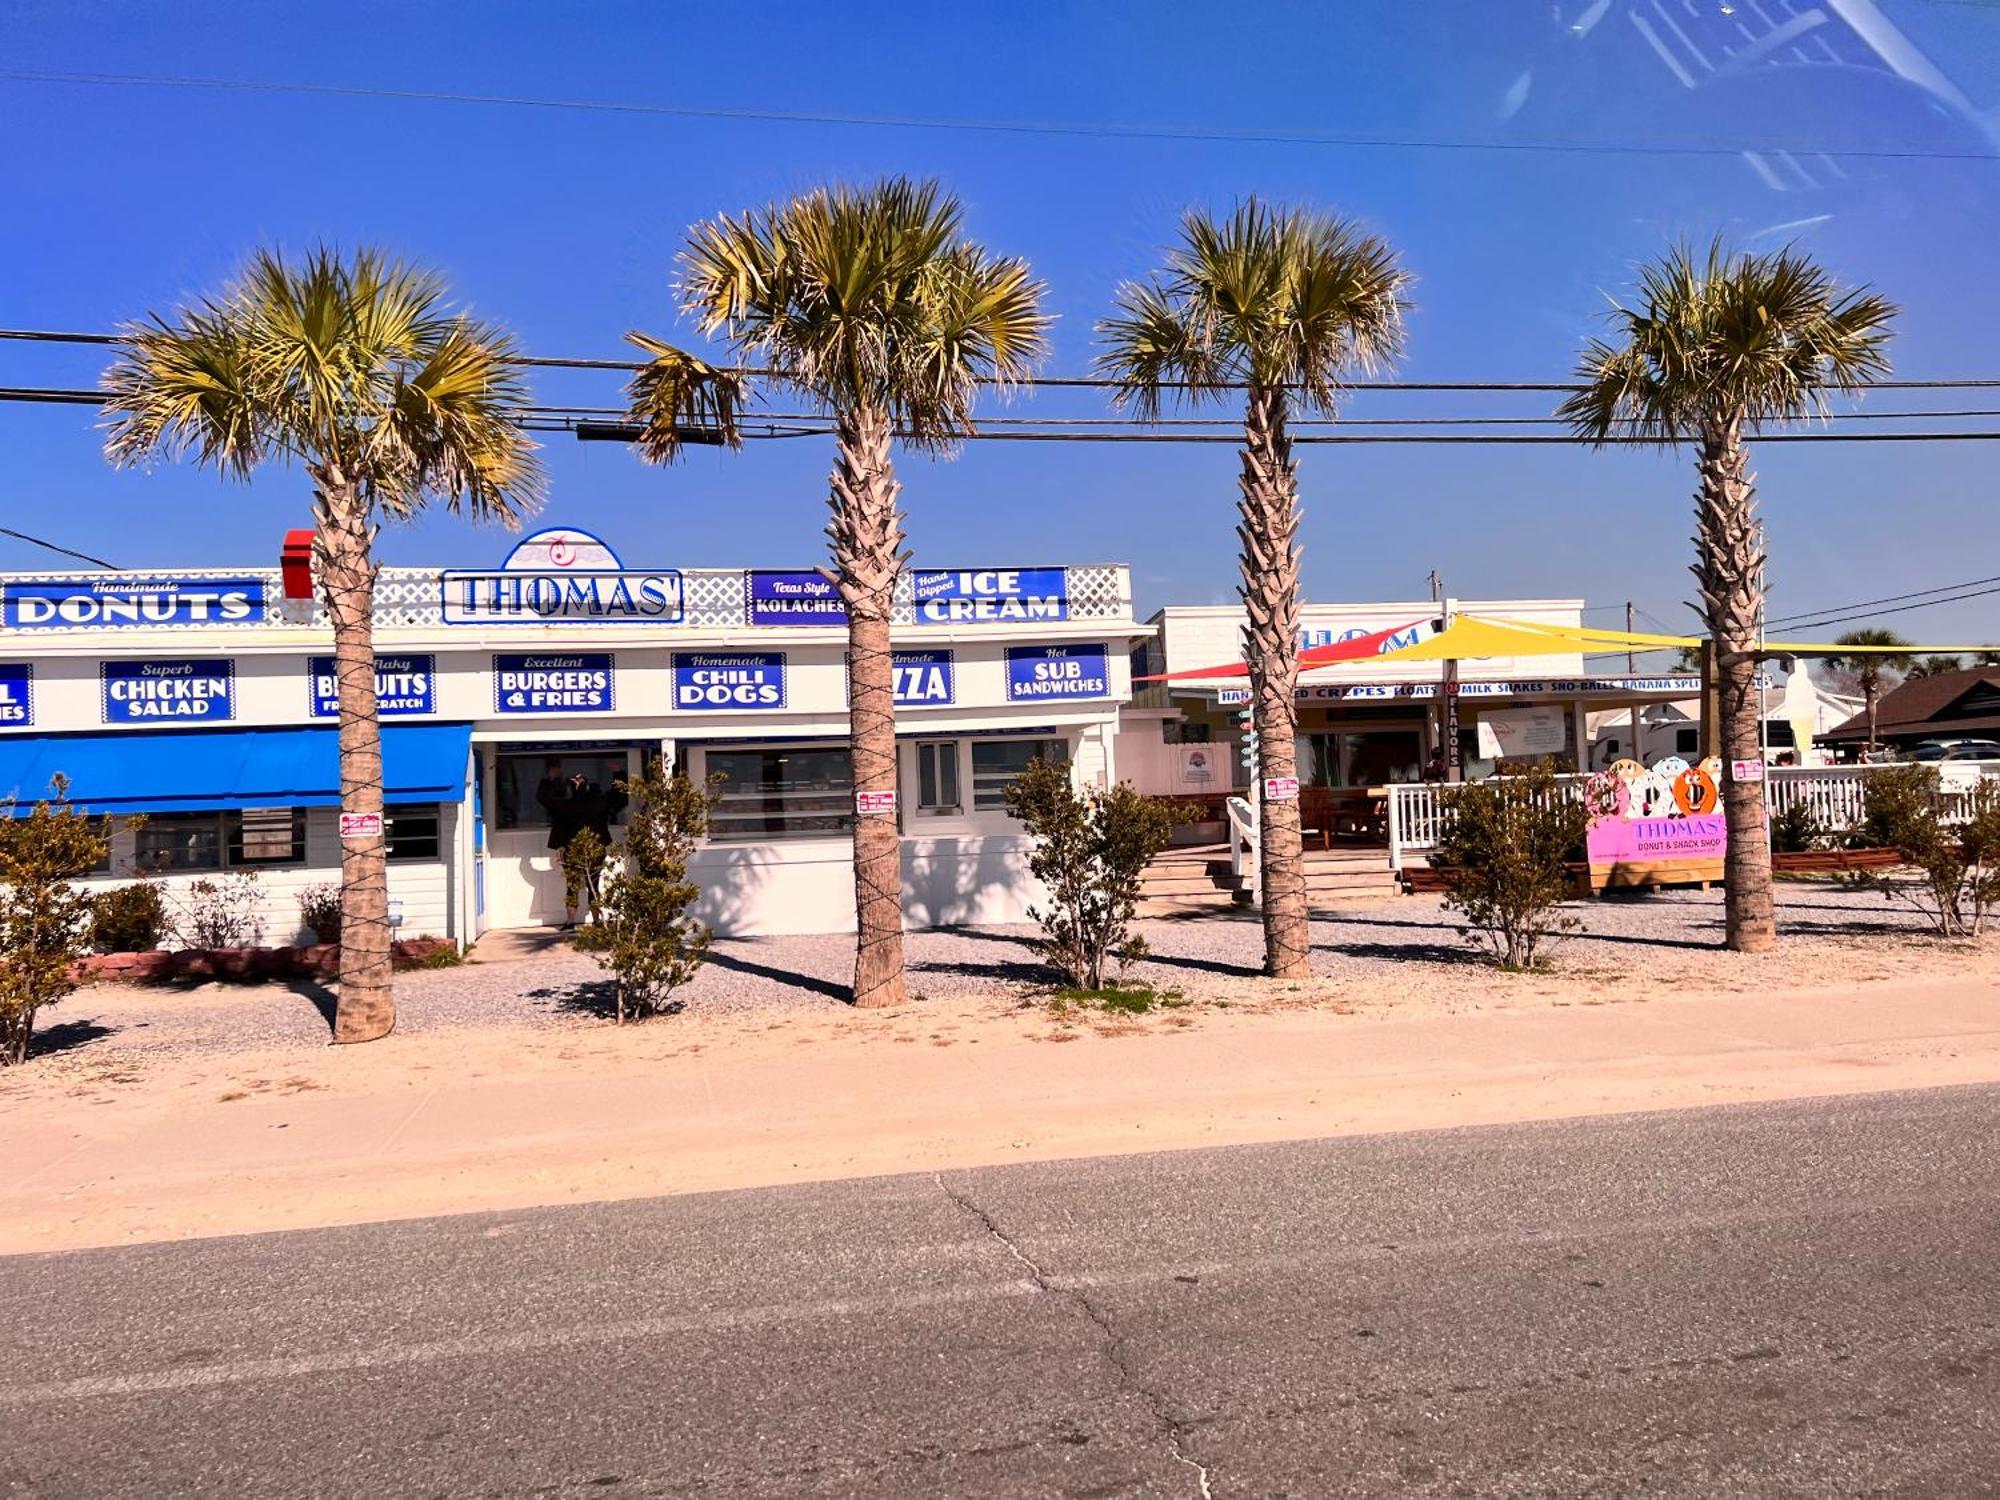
{"x": 203, "y": 770}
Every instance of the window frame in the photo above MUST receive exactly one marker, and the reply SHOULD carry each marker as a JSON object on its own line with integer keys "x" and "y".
{"x": 837, "y": 823}
{"x": 992, "y": 800}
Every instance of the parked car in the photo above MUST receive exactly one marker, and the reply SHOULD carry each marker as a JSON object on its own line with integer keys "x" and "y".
{"x": 1937, "y": 750}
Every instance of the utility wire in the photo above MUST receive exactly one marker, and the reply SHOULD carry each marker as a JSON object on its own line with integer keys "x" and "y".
{"x": 1943, "y": 588}
{"x": 1091, "y": 129}
{"x": 35, "y": 541}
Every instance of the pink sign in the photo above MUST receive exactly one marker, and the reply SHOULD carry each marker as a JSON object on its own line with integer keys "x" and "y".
{"x": 1626, "y": 841}
{"x": 875, "y": 804}
{"x": 1281, "y": 788}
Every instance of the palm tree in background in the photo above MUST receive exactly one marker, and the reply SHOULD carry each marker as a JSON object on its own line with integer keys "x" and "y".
{"x": 873, "y": 303}
{"x": 1873, "y": 656}
{"x": 358, "y": 370}
{"x": 1284, "y": 304}
{"x": 1719, "y": 346}
{"x": 1934, "y": 666}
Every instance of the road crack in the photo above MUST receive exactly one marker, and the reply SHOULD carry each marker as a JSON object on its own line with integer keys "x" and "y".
{"x": 1115, "y": 1355}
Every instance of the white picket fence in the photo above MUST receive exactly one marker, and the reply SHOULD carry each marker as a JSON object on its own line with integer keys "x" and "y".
{"x": 1837, "y": 796}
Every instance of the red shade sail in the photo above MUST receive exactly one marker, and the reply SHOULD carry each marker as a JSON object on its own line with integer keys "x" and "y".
{"x": 1360, "y": 648}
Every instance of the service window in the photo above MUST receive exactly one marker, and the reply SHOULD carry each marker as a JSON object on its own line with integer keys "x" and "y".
{"x": 995, "y": 764}
{"x": 181, "y": 841}
{"x": 519, "y": 774}
{"x": 267, "y": 836}
{"x": 413, "y": 830}
{"x": 937, "y": 776}
{"x": 778, "y": 792}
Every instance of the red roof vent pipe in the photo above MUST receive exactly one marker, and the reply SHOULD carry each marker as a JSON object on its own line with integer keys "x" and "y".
{"x": 295, "y": 562}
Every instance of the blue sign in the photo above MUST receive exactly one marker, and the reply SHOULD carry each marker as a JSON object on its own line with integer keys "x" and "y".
{"x": 168, "y": 692}
{"x": 404, "y": 686}
{"x": 991, "y": 596}
{"x": 923, "y": 679}
{"x": 793, "y": 599}
{"x": 711, "y": 680}
{"x": 1037, "y": 674}
{"x": 567, "y": 682}
{"x": 122, "y": 600}
{"x": 17, "y": 693}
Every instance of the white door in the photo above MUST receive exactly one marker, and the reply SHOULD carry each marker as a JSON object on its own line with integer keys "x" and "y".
{"x": 524, "y": 879}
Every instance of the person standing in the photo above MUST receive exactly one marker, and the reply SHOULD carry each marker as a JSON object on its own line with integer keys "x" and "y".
{"x": 555, "y": 794}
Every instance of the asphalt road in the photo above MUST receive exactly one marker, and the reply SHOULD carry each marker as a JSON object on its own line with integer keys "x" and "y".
{"x": 1765, "y": 1300}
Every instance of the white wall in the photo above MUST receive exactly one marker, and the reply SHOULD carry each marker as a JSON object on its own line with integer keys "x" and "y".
{"x": 424, "y": 887}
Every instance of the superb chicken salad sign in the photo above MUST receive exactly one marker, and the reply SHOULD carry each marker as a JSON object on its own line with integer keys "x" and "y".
{"x": 568, "y": 682}
{"x": 168, "y": 692}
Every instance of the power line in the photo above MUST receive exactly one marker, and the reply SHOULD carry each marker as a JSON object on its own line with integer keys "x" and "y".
{"x": 1897, "y": 609}
{"x": 1089, "y": 129}
{"x": 1943, "y": 588}
{"x": 35, "y": 541}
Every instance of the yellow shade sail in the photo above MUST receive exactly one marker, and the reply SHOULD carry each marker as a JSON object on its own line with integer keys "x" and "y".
{"x": 1475, "y": 638}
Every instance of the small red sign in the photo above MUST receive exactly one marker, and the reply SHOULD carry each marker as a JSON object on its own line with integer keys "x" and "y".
{"x": 1746, "y": 770}
{"x": 1281, "y": 788}
{"x": 360, "y": 826}
{"x": 875, "y": 804}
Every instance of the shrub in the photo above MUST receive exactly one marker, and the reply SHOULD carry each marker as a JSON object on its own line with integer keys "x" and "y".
{"x": 583, "y": 860}
{"x": 1089, "y": 851}
{"x": 640, "y": 929}
{"x": 1960, "y": 862}
{"x": 219, "y": 913}
{"x": 1796, "y": 830}
{"x": 319, "y": 909}
{"x": 128, "y": 918}
{"x": 45, "y": 921}
{"x": 1505, "y": 843}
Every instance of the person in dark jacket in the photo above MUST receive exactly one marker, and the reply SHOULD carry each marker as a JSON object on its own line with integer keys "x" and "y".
{"x": 556, "y": 795}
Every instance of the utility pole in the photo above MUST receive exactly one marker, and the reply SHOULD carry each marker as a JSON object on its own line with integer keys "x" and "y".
{"x": 1631, "y": 669}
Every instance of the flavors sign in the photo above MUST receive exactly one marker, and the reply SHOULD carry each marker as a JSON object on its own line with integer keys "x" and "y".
{"x": 168, "y": 692}
{"x": 990, "y": 596}
{"x": 792, "y": 599}
{"x": 706, "y": 681}
{"x": 404, "y": 686}
{"x": 17, "y": 694}
{"x": 1037, "y": 674}
{"x": 570, "y": 682}
{"x": 124, "y": 600}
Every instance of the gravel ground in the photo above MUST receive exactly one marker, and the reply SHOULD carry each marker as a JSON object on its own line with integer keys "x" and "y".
{"x": 1395, "y": 954}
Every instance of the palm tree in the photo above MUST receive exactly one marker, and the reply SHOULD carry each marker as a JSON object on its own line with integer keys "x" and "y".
{"x": 1934, "y": 666}
{"x": 1717, "y": 346}
{"x": 1871, "y": 655}
{"x": 1284, "y": 304}
{"x": 356, "y": 369}
{"x": 873, "y": 303}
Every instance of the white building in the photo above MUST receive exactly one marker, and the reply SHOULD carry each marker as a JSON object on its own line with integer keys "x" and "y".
{"x": 204, "y": 700}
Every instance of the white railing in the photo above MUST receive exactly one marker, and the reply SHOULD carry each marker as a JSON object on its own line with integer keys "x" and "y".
{"x": 1244, "y": 865}
{"x": 1837, "y": 796}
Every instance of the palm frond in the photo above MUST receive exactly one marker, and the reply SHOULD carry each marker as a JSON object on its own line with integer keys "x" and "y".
{"x": 677, "y": 395}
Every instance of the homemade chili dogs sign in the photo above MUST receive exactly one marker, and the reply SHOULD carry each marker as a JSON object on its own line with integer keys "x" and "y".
{"x": 1657, "y": 826}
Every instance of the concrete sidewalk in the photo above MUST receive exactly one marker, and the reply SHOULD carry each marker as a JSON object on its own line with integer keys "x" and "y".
{"x": 450, "y": 1122}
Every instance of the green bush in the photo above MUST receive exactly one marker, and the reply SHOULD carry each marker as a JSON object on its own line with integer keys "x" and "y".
{"x": 1796, "y": 830}
{"x": 1959, "y": 861}
{"x": 319, "y": 910}
{"x": 1505, "y": 843}
{"x": 128, "y": 918}
{"x": 640, "y": 929}
{"x": 45, "y": 921}
{"x": 1089, "y": 851}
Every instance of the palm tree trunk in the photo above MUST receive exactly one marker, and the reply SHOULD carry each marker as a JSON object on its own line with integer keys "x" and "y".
{"x": 1730, "y": 567}
{"x": 1871, "y": 691}
{"x": 367, "y": 1005}
{"x": 867, "y": 535}
{"x": 1270, "y": 562}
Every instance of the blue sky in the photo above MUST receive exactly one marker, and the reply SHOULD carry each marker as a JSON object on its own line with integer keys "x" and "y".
{"x": 564, "y": 223}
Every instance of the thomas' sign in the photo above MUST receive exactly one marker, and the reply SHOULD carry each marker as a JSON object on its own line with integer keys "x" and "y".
{"x": 566, "y": 576}
{"x": 792, "y": 599}
{"x": 1039, "y": 673}
{"x": 922, "y": 679}
{"x": 97, "y": 603}
{"x": 168, "y": 692}
{"x": 568, "y": 682}
{"x": 17, "y": 693}
{"x": 990, "y": 596}
{"x": 404, "y": 685}
{"x": 705, "y": 680}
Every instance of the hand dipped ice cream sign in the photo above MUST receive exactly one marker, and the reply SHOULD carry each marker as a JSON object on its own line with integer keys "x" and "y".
{"x": 563, "y": 576}
{"x": 123, "y": 601}
{"x": 982, "y": 596}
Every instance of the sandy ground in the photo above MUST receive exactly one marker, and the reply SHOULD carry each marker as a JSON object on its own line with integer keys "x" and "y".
{"x": 161, "y": 1114}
